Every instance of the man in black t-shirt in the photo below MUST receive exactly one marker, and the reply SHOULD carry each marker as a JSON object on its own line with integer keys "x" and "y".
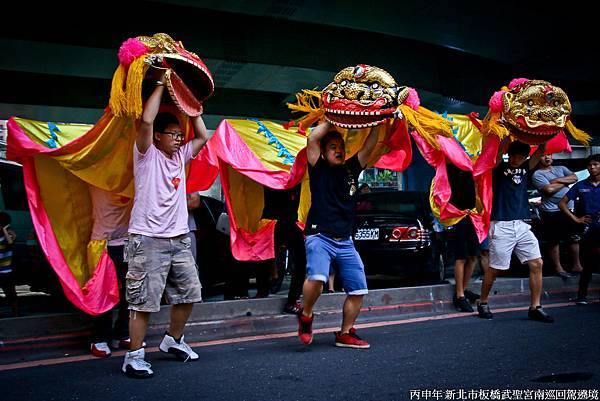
{"x": 462, "y": 239}
{"x": 333, "y": 187}
{"x": 508, "y": 231}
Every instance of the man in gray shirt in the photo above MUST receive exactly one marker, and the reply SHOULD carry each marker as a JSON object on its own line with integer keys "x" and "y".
{"x": 553, "y": 183}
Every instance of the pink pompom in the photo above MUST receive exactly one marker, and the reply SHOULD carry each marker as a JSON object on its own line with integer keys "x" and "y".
{"x": 496, "y": 102}
{"x": 517, "y": 81}
{"x": 413, "y": 99}
{"x": 130, "y": 50}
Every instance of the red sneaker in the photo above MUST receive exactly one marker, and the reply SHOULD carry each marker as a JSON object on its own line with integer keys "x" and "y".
{"x": 350, "y": 340}
{"x": 100, "y": 350}
{"x": 305, "y": 328}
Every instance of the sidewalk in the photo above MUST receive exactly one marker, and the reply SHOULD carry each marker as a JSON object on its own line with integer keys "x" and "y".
{"x": 67, "y": 332}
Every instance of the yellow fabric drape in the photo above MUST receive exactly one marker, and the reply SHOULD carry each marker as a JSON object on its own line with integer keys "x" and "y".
{"x": 68, "y": 206}
{"x": 103, "y": 158}
{"x": 466, "y": 133}
{"x": 247, "y": 200}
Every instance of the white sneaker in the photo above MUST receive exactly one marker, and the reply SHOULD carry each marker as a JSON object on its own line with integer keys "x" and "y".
{"x": 100, "y": 350}
{"x": 135, "y": 366}
{"x": 180, "y": 349}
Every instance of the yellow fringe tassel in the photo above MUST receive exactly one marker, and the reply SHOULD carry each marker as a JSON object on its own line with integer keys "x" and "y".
{"x": 117, "y": 92}
{"x": 427, "y": 123}
{"x": 133, "y": 94}
{"x": 308, "y": 101}
{"x": 578, "y": 134}
{"x": 491, "y": 126}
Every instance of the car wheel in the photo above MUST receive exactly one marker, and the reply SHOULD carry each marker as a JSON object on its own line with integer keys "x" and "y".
{"x": 441, "y": 273}
{"x": 437, "y": 273}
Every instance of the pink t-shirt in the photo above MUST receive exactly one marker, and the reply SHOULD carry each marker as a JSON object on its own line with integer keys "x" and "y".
{"x": 159, "y": 206}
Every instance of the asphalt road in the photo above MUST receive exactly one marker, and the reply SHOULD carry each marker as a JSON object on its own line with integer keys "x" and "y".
{"x": 508, "y": 352}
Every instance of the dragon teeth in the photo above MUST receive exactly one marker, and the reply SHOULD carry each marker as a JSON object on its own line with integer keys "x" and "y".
{"x": 354, "y": 113}
{"x": 356, "y": 126}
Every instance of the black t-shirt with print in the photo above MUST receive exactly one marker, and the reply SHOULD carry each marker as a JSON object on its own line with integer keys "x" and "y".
{"x": 333, "y": 197}
{"x": 510, "y": 200}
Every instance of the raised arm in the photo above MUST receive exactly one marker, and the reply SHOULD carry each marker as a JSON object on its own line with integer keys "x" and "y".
{"x": 365, "y": 152}
{"x": 501, "y": 149}
{"x": 536, "y": 156}
{"x": 201, "y": 135}
{"x": 313, "y": 146}
{"x": 146, "y": 131}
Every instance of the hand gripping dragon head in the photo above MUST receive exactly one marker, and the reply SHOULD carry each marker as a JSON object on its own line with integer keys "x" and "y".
{"x": 362, "y": 96}
{"x": 188, "y": 80}
{"x": 533, "y": 111}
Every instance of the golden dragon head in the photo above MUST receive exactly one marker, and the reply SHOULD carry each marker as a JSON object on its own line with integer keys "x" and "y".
{"x": 532, "y": 111}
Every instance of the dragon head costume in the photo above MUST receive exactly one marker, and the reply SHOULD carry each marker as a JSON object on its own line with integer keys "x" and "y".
{"x": 364, "y": 96}
{"x": 188, "y": 80}
{"x": 531, "y": 111}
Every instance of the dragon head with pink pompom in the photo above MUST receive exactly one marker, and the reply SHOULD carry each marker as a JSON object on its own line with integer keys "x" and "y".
{"x": 188, "y": 80}
{"x": 532, "y": 111}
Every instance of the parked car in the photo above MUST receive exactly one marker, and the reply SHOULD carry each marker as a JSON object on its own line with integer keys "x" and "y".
{"x": 394, "y": 236}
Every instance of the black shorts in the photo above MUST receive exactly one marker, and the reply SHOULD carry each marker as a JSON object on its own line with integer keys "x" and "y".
{"x": 463, "y": 241}
{"x": 558, "y": 227}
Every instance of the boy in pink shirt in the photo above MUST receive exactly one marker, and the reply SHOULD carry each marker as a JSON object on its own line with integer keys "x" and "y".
{"x": 158, "y": 249}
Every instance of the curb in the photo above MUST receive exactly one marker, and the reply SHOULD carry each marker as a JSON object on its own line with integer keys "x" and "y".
{"x": 223, "y": 319}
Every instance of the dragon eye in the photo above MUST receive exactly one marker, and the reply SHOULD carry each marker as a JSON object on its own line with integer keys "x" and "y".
{"x": 530, "y": 102}
{"x": 374, "y": 85}
{"x": 344, "y": 83}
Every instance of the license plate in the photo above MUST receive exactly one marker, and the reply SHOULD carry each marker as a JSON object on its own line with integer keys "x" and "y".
{"x": 367, "y": 234}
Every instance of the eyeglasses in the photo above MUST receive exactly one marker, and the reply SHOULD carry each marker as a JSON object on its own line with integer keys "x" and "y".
{"x": 177, "y": 136}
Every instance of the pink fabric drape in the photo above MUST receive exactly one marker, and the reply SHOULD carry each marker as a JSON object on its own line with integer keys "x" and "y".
{"x": 450, "y": 150}
{"x": 101, "y": 291}
{"x": 231, "y": 150}
{"x": 400, "y": 155}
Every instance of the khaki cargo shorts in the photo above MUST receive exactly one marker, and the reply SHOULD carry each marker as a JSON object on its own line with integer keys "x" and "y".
{"x": 157, "y": 266}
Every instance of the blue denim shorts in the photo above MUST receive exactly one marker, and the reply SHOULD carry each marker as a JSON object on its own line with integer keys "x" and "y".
{"x": 321, "y": 251}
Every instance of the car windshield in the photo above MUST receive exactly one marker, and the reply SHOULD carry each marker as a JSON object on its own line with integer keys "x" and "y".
{"x": 397, "y": 203}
